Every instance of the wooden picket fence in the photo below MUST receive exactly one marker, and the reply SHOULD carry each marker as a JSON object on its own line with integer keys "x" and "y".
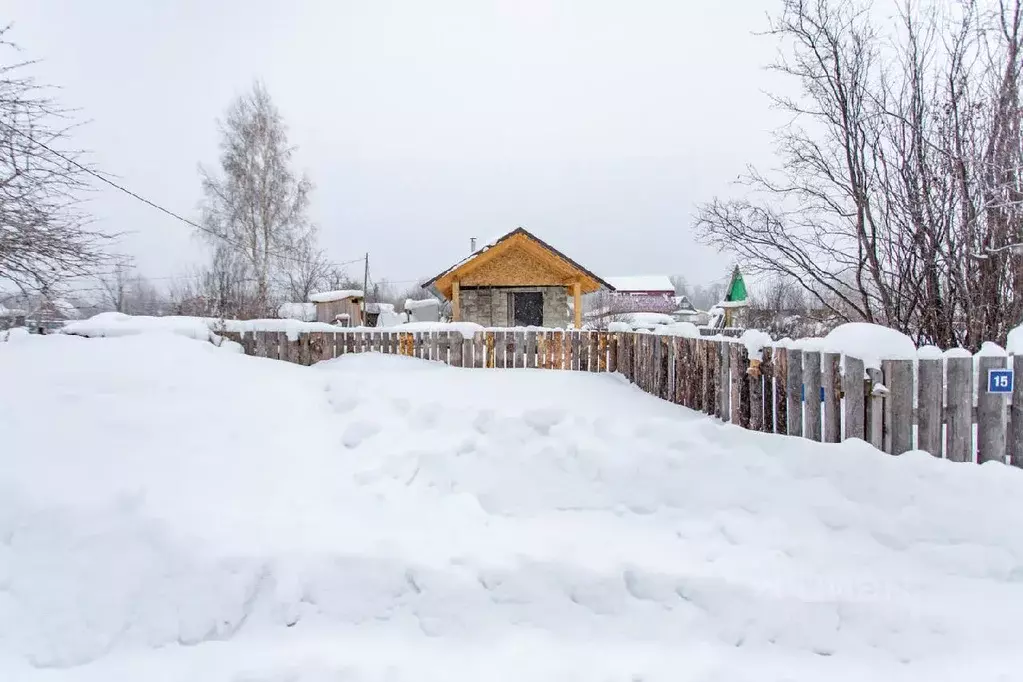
{"x": 925, "y": 404}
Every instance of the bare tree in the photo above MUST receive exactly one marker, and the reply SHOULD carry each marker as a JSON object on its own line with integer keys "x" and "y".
{"x": 255, "y": 208}
{"x": 44, "y": 234}
{"x": 308, "y": 272}
{"x": 901, "y": 163}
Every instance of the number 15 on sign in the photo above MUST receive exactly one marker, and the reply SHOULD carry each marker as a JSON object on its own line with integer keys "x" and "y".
{"x": 999, "y": 381}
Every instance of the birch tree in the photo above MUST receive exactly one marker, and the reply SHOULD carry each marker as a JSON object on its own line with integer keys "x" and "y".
{"x": 255, "y": 204}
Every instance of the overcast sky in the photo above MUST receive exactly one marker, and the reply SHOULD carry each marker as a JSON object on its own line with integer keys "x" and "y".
{"x": 597, "y": 124}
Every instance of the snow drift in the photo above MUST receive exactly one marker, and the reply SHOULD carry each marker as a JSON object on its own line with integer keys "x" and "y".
{"x": 169, "y": 511}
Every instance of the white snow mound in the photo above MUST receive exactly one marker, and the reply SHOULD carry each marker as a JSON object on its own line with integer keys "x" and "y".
{"x": 870, "y": 343}
{"x": 169, "y": 511}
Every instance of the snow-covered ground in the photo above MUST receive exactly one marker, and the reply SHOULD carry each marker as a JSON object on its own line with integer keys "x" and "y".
{"x": 170, "y": 510}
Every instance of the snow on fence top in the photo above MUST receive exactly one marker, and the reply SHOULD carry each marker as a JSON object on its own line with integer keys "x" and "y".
{"x": 870, "y": 343}
{"x": 337, "y": 295}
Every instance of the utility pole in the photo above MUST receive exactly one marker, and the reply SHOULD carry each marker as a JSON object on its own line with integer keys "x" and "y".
{"x": 365, "y": 286}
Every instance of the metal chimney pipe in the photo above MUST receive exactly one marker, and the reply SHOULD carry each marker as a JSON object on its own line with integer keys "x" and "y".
{"x": 472, "y": 244}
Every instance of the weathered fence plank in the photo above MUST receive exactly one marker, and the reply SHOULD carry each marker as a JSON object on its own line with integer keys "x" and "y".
{"x": 898, "y": 410}
{"x": 530, "y": 349}
{"x": 990, "y": 413}
{"x": 855, "y": 398}
{"x": 260, "y": 349}
{"x": 929, "y": 397}
{"x": 479, "y": 351}
{"x": 612, "y": 351}
{"x": 488, "y": 338}
{"x": 500, "y": 346}
{"x": 959, "y": 398}
{"x": 1016, "y": 437}
{"x": 745, "y": 398}
{"x": 781, "y": 390}
{"x": 574, "y": 346}
{"x": 755, "y": 381}
{"x": 874, "y": 413}
{"x": 736, "y": 375}
{"x": 520, "y": 350}
{"x": 457, "y": 350}
{"x": 831, "y": 382}
{"x": 724, "y": 376}
{"x": 558, "y": 350}
{"x": 594, "y": 360}
{"x": 794, "y": 392}
{"x": 316, "y": 347}
{"x": 812, "y": 394}
{"x": 602, "y": 351}
{"x": 767, "y": 369}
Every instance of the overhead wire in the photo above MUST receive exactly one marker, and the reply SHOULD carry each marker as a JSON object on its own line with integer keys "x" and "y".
{"x": 173, "y": 214}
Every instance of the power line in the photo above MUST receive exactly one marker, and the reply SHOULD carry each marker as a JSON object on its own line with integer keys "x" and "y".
{"x": 146, "y": 201}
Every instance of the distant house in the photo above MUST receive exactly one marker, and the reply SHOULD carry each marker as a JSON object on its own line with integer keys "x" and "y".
{"x": 303, "y": 312}
{"x": 642, "y": 294}
{"x": 517, "y": 281}
{"x": 342, "y": 307}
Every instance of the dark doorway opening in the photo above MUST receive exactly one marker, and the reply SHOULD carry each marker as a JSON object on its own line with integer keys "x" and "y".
{"x": 527, "y": 309}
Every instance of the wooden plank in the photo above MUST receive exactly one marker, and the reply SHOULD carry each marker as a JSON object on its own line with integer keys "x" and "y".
{"x": 594, "y": 353}
{"x": 601, "y": 351}
{"x": 304, "y": 350}
{"x": 991, "y": 426}
{"x": 541, "y": 349}
{"x": 767, "y": 370}
{"x": 853, "y": 386}
{"x": 457, "y": 349}
{"x": 831, "y": 381}
{"x": 467, "y": 350}
{"x": 794, "y": 392}
{"x": 489, "y": 340}
{"x": 781, "y": 391}
{"x": 723, "y": 377}
{"x": 756, "y": 399}
{"x": 260, "y": 339}
{"x": 420, "y": 341}
{"x": 930, "y": 395}
{"x": 898, "y": 406}
{"x": 678, "y": 373}
{"x": 745, "y": 399}
{"x": 666, "y": 387}
{"x": 479, "y": 349}
{"x": 735, "y": 379}
{"x": 336, "y": 344}
{"x": 811, "y": 395}
{"x": 519, "y": 359}
{"x": 295, "y": 350}
{"x": 1016, "y": 436}
{"x": 500, "y": 344}
{"x": 317, "y": 347}
{"x": 711, "y": 365}
{"x": 572, "y": 350}
{"x": 557, "y": 345}
{"x": 612, "y": 351}
{"x": 874, "y": 413}
{"x": 530, "y": 350}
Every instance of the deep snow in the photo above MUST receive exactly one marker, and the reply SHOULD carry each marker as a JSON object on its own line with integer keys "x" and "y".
{"x": 173, "y": 511}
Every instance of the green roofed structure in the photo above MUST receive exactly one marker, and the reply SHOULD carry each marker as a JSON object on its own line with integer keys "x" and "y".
{"x": 737, "y": 288}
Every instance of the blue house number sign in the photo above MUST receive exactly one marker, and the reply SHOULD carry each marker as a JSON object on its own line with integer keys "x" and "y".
{"x": 999, "y": 381}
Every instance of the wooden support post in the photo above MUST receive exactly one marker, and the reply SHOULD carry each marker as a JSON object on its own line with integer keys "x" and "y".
{"x": 930, "y": 395}
{"x": 990, "y": 414}
{"x": 577, "y": 304}
{"x": 456, "y": 301}
{"x": 854, "y": 398}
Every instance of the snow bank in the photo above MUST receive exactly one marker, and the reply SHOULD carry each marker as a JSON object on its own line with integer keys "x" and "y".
{"x": 869, "y": 342}
{"x": 684, "y": 329}
{"x": 1014, "y": 344}
{"x": 619, "y": 327}
{"x": 119, "y": 324}
{"x": 219, "y": 517}
{"x": 303, "y": 312}
{"x": 15, "y": 334}
{"x": 336, "y": 295}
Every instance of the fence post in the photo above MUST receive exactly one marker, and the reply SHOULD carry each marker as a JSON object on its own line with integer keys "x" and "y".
{"x": 1016, "y": 440}
{"x": 898, "y": 406}
{"x": 743, "y": 380}
{"x": 812, "y": 394}
{"x": 855, "y": 403}
{"x": 874, "y": 413}
{"x": 723, "y": 376}
{"x": 612, "y": 352}
{"x": 755, "y": 381}
{"x": 929, "y": 397}
{"x": 736, "y": 375}
{"x": 794, "y": 392}
{"x": 990, "y": 414}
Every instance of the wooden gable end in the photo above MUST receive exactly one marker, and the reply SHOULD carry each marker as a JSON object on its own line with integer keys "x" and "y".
{"x": 518, "y": 266}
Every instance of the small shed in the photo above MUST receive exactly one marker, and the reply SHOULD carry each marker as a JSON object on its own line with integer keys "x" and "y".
{"x": 342, "y": 307}
{"x": 517, "y": 281}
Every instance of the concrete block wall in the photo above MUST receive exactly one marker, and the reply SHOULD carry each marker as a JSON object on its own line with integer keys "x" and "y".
{"x": 492, "y": 307}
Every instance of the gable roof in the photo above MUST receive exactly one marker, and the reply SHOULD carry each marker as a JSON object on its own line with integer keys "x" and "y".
{"x": 442, "y": 283}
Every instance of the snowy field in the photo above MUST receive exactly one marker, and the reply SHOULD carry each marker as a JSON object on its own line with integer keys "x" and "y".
{"x": 170, "y": 510}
